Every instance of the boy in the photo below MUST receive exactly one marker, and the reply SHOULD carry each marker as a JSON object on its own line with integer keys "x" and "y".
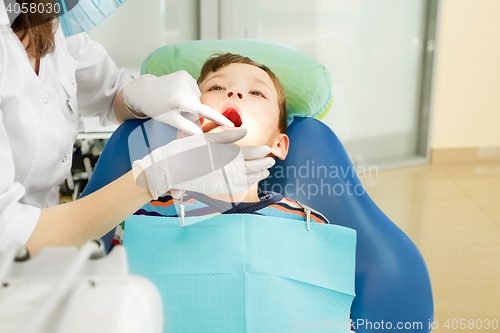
{"x": 252, "y": 97}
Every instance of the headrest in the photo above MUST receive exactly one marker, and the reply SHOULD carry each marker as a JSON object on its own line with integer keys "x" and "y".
{"x": 307, "y": 83}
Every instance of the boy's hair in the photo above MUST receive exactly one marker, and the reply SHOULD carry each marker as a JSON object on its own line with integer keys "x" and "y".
{"x": 221, "y": 60}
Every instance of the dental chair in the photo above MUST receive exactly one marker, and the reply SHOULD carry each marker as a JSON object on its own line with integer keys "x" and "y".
{"x": 392, "y": 281}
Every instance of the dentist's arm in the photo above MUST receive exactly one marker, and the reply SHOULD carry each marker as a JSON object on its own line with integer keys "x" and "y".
{"x": 106, "y": 91}
{"x": 122, "y": 113}
{"x": 173, "y": 99}
{"x": 193, "y": 163}
{"x": 73, "y": 223}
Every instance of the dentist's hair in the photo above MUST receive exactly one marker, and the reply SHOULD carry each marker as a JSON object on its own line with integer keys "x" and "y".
{"x": 221, "y": 60}
{"x": 40, "y": 30}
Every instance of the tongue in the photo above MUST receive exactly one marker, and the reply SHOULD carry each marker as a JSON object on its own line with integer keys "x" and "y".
{"x": 234, "y": 116}
{"x": 230, "y": 114}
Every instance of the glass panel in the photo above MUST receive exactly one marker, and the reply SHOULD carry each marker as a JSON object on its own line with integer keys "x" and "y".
{"x": 372, "y": 49}
{"x": 139, "y": 27}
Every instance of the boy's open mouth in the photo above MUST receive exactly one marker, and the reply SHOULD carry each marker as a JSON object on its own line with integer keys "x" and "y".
{"x": 234, "y": 116}
{"x": 231, "y": 114}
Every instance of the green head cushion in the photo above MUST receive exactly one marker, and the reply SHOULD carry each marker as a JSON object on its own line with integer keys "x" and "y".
{"x": 307, "y": 83}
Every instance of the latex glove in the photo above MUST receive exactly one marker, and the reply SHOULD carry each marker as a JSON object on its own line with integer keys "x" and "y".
{"x": 205, "y": 163}
{"x": 173, "y": 99}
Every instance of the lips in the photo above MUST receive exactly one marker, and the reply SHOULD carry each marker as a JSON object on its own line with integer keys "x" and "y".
{"x": 230, "y": 113}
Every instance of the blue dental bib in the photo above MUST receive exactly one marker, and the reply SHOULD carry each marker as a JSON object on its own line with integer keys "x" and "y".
{"x": 245, "y": 273}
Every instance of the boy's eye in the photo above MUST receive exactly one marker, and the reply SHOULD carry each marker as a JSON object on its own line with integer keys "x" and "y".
{"x": 215, "y": 87}
{"x": 257, "y": 93}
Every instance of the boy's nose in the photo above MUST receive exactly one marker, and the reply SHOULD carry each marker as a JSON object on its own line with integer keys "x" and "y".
{"x": 231, "y": 93}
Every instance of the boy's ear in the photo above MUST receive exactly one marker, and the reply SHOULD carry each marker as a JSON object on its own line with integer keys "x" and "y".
{"x": 280, "y": 146}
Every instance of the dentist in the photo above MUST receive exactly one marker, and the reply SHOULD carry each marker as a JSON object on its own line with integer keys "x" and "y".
{"x": 45, "y": 81}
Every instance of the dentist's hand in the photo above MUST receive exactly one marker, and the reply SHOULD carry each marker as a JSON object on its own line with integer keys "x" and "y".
{"x": 205, "y": 163}
{"x": 173, "y": 99}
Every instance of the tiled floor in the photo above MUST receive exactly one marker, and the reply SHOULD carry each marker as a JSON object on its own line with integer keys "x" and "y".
{"x": 452, "y": 213}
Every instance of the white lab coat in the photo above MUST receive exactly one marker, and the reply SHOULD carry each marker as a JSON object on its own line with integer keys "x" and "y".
{"x": 39, "y": 120}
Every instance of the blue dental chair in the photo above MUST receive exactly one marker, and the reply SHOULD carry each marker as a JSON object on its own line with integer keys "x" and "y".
{"x": 392, "y": 282}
